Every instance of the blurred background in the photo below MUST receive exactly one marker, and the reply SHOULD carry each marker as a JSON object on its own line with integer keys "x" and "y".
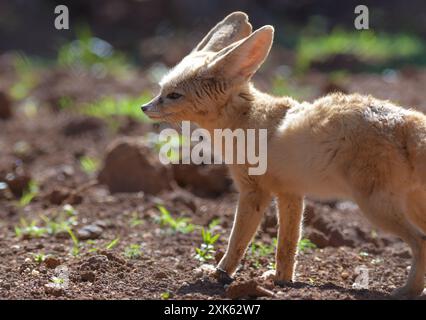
{"x": 80, "y": 179}
{"x": 114, "y": 37}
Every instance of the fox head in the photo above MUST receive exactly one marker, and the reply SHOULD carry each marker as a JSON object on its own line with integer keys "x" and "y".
{"x": 200, "y": 86}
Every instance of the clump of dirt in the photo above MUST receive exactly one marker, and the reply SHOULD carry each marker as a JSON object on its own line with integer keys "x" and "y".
{"x": 203, "y": 180}
{"x": 91, "y": 231}
{"x": 131, "y": 166}
{"x": 335, "y": 226}
{"x": 52, "y": 262}
{"x": 82, "y": 125}
{"x": 248, "y": 289}
{"x": 5, "y": 106}
{"x": 18, "y": 181}
{"x": 60, "y": 196}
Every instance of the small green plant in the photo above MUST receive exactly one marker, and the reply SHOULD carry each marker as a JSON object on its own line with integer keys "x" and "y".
{"x": 262, "y": 250}
{"x": 27, "y": 77}
{"x": 89, "y": 164}
{"x": 365, "y": 45}
{"x": 165, "y": 219}
{"x": 165, "y": 295}
{"x": 58, "y": 280}
{"x": 305, "y": 244}
{"x": 92, "y": 243}
{"x": 39, "y": 257}
{"x": 259, "y": 250}
{"x": 112, "y": 244}
{"x": 29, "y": 230}
{"x": 206, "y": 251}
{"x": 75, "y": 251}
{"x": 69, "y": 210}
{"x": 133, "y": 251}
{"x": 64, "y": 219}
{"x": 65, "y": 102}
{"x": 135, "y": 220}
{"x": 92, "y": 53}
{"x": 29, "y": 194}
{"x": 215, "y": 222}
{"x": 108, "y": 107}
{"x": 94, "y": 247}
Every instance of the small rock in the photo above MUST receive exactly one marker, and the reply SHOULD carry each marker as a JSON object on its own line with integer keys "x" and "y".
{"x": 185, "y": 198}
{"x": 160, "y": 275}
{"x": 35, "y": 273}
{"x": 23, "y": 150}
{"x": 59, "y": 248}
{"x": 112, "y": 257}
{"x": 268, "y": 275}
{"x": 317, "y": 237}
{"x": 52, "y": 262}
{"x": 81, "y": 125}
{"x": 53, "y": 289}
{"x": 17, "y": 183}
{"x": 63, "y": 234}
{"x": 5, "y": 106}
{"x": 57, "y": 196}
{"x": 131, "y": 166}
{"x": 203, "y": 180}
{"x": 248, "y": 288}
{"x": 88, "y": 276}
{"x": 102, "y": 224}
{"x": 344, "y": 275}
{"x": 89, "y": 232}
{"x": 60, "y": 195}
{"x": 204, "y": 270}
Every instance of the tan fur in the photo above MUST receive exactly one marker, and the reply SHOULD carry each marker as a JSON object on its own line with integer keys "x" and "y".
{"x": 340, "y": 146}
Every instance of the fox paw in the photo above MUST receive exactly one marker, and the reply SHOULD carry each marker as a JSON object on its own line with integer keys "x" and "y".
{"x": 208, "y": 270}
{"x": 223, "y": 277}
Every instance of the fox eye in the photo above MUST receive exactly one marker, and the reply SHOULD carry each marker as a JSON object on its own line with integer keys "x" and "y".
{"x": 174, "y": 96}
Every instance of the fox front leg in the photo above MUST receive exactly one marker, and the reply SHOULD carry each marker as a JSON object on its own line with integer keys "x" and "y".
{"x": 251, "y": 207}
{"x": 290, "y": 208}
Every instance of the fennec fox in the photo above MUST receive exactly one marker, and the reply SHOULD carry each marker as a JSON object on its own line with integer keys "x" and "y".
{"x": 348, "y": 146}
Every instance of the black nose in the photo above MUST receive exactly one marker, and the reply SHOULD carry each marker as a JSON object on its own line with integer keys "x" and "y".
{"x": 145, "y": 107}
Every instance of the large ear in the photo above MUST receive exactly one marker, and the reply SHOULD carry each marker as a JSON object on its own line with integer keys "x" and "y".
{"x": 232, "y": 28}
{"x": 240, "y": 60}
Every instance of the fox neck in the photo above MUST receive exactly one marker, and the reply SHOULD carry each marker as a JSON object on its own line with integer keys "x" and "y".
{"x": 249, "y": 108}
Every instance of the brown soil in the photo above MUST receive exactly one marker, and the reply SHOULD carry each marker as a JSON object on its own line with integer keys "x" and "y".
{"x": 47, "y": 147}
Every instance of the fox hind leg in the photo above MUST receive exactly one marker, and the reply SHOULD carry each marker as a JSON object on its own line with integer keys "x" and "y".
{"x": 387, "y": 212}
{"x": 416, "y": 209}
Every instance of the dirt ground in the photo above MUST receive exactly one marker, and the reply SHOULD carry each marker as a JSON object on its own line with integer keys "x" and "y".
{"x": 47, "y": 146}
